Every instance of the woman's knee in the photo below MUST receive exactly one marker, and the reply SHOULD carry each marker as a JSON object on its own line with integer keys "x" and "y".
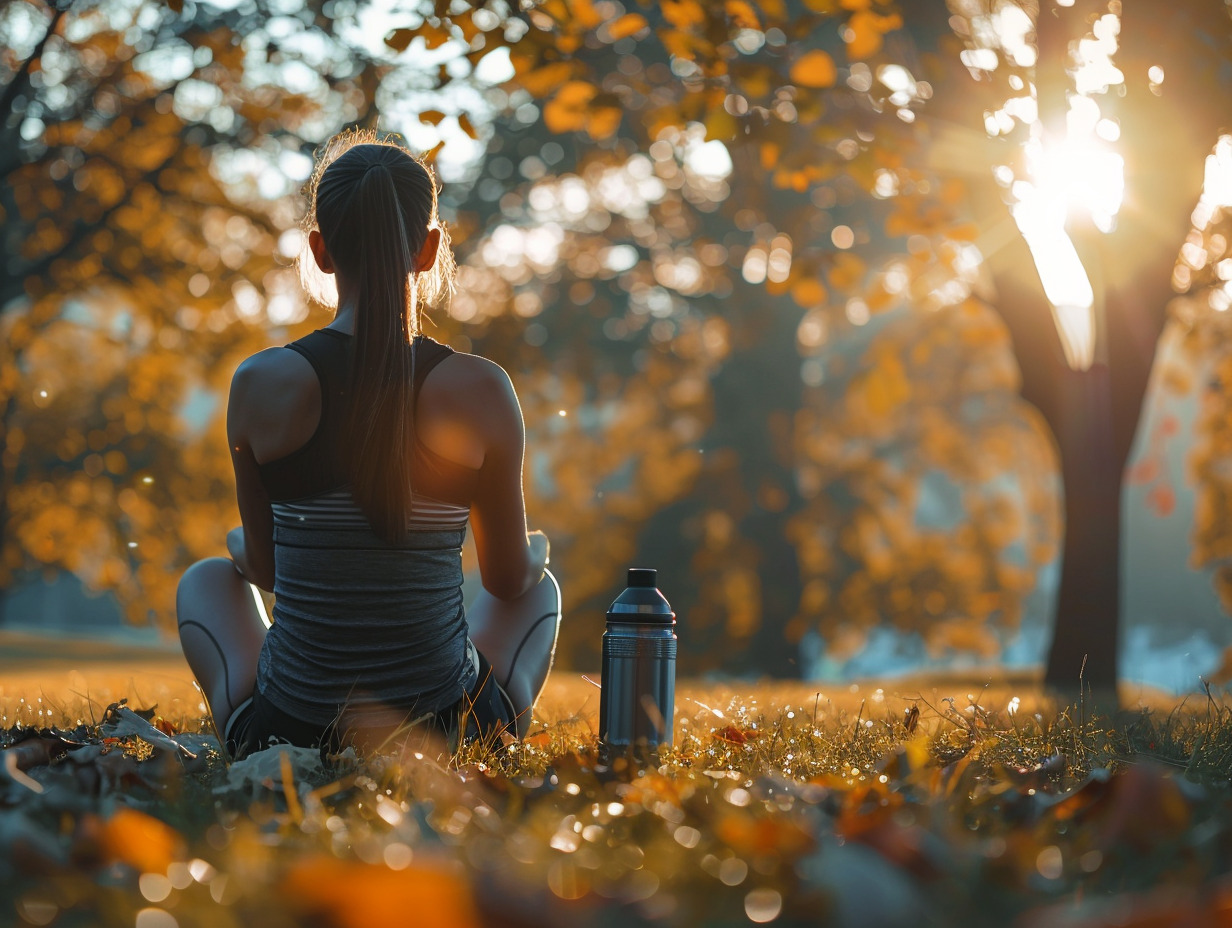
{"x": 546, "y": 593}
{"x": 203, "y": 580}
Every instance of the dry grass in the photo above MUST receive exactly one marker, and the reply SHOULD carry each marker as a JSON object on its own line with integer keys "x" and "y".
{"x": 779, "y": 803}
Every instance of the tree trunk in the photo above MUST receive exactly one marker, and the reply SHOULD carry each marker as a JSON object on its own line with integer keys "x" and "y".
{"x": 1085, "y": 640}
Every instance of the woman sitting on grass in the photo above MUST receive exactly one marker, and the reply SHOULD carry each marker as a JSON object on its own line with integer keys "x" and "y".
{"x": 360, "y": 452}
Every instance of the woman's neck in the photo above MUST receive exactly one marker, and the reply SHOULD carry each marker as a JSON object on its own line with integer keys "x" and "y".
{"x": 344, "y": 319}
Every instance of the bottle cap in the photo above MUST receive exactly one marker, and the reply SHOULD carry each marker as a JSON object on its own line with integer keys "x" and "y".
{"x": 643, "y": 577}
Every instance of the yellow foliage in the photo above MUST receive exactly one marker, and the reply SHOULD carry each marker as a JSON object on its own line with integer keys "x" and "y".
{"x": 808, "y": 292}
{"x": 720, "y": 125}
{"x": 814, "y": 68}
{"x": 566, "y": 112}
{"x": 742, "y": 14}
{"x": 574, "y": 108}
{"x": 627, "y": 25}
{"x": 846, "y": 272}
{"x": 541, "y": 81}
{"x": 866, "y": 31}
{"x": 683, "y": 14}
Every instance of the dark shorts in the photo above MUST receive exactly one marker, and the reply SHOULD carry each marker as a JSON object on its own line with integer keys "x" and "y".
{"x": 484, "y": 712}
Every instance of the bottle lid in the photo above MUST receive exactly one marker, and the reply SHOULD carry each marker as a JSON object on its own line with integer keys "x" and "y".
{"x": 642, "y": 603}
{"x": 643, "y": 577}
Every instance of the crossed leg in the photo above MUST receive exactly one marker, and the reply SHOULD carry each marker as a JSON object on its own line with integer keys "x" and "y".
{"x": 221, "y": 631}
{"x": 518, "y": 637}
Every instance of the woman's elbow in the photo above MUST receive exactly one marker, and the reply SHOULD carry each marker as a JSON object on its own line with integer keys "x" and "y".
{"x": 507, "y": 590}
{"x": 510, "y": 585}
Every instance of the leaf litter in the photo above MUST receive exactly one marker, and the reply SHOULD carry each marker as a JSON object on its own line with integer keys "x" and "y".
{"x": 777, "y": 813}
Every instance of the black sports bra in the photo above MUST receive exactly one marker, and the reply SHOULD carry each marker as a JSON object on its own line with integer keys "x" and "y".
{"x": 320, "y": 464}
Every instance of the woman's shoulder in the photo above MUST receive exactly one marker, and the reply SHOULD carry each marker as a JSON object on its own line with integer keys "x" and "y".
{"x": 472, "y": 388}
{"x": 269, "y": 390}
{"x": 271, "y": 368}
{"x": 476, "y": 370}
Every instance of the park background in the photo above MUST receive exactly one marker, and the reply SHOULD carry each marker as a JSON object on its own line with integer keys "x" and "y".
{"x": 753, "y": 268}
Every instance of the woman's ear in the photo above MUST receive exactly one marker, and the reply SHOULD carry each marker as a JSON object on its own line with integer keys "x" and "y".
{"x": 316, "y": 241}
{"x": 427, "y": 254}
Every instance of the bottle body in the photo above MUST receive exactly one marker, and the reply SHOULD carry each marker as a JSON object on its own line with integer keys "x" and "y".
{"x": 637, "y": 701}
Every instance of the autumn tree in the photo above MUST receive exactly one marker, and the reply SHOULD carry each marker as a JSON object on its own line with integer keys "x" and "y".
{"x": 792, "y": 491}
{"x": 147, "y": 154}
{"x": 853, "y": 136}
{"x": 1121, "y": 98}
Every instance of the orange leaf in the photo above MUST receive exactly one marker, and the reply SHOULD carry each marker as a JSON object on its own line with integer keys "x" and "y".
{"x": 583, "y": 13}
{"x": 400, "y": 39}
{"x": 141, "y": 841}
{"x": 603, "y": 121}
{"x": 627, "y": 25}
{"x": 429, "y": 156}
{"x": 866, "y": 29}
{"x": 464, "y": 123}
{"x": 431, "y": 117}
{"x": 542, "y": 81}
{"x": 351, "y": 894}
{"x": 742, "y": 14}
{"x": 808, "y": 291}
{"x": 732, "y": 735}
{"x": 814, "y": 69}
{"x": 683, "y": 13}
{"x": 567, "y": 111}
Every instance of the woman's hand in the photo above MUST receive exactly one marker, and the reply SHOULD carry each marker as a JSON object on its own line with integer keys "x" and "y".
{"x": 239, "y": 552}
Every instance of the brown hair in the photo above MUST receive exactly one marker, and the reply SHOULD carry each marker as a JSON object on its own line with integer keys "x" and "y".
{"x": 374, "y": 204}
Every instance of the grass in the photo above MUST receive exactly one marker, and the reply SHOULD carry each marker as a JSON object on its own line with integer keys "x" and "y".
{"x": 774, "y": 806}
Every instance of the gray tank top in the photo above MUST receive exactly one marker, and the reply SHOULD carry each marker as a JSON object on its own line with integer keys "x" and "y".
{"x": 358, "y": 621}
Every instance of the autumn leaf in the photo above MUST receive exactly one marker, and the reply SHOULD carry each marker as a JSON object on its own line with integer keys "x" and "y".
{"x": 465, "y": 124}
{"x": 627, "y": 25}
{"x": 145, "y": 843}
{"x": 431, "y": 117}
{"x": 540, "y": 82}
{"x": 580, "y": 106}
{"x": 742, "y": 14}
{"x": 429, "y": 156}
{"x": 808, "y": 291}
{"x": 358, "y": 895}
{"x": 400, "y": 39}
{"x": 814, "y": 69}
{"x": 683, "y": 14}
{"x": 865, "y": 31}
{"x": 566, "y": 112}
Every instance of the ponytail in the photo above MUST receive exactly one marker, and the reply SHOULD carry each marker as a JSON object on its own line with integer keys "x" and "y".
{"x": 374, "y": 205}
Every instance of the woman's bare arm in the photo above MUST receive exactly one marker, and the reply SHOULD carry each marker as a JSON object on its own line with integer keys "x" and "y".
{"x": 511, "y": 561}
{"x": 253, "y": 550}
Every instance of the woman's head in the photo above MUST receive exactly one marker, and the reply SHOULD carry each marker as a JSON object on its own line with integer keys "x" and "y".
{"x": 372, "y": 218}
{"x": 372, "y": 222}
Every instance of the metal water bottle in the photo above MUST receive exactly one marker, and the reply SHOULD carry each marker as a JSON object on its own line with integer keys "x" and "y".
{"x": 637, "y": 701}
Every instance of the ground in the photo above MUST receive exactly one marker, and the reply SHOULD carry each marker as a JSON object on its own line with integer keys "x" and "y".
{"x": 782, "y": 802}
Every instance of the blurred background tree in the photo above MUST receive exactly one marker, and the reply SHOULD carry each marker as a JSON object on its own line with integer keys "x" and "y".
{"x": 755, "y": 269}
{"x": 149, "y": 155}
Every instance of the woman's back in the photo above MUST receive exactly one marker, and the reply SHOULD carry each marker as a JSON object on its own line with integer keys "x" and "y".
{"x": 358, "y": 619}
